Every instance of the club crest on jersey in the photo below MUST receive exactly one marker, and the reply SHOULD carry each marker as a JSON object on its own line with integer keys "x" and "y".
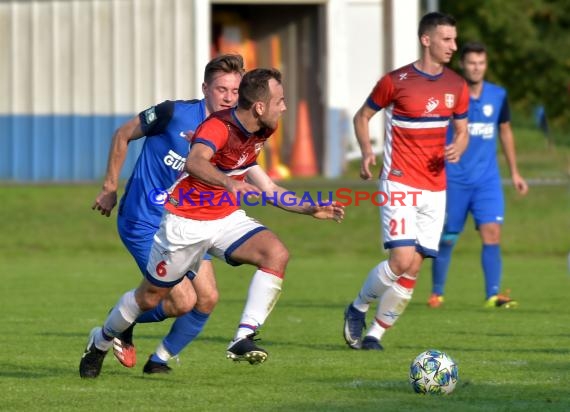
{"x": 241, "y": 160}
{"x": 488, "y": 110}
{"x": 258, "y": 147}
{"x": 449, "y": 100}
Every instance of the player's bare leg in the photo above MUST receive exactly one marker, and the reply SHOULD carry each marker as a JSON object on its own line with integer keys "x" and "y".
{"x": 123, "y": 314}
{"x": 189, "y": 325}
{"x": 179, "y": 301}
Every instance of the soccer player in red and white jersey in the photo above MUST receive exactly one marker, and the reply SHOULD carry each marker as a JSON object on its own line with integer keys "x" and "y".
{"x": 203, "y": 215}
{"x": 419, "y": 100}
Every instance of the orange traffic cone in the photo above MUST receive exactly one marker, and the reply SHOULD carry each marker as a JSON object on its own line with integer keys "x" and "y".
{"x": 276, "y": 169}
{"x": 303, "y": 158}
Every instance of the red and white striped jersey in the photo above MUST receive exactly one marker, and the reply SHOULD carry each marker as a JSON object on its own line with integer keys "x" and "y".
{"x": 418, "y": 108}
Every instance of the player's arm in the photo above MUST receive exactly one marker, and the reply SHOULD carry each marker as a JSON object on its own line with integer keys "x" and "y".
{"x": 361, "y": 121}
{"x": 198, "y": 165}
{"x": 455, "y": 149}
{"x": 286, "y": 199}
{"x": 107, "y": 198}
{"x": 508, "y": 144}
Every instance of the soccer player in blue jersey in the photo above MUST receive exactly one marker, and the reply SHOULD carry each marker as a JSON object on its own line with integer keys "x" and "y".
{"x": 474, "y": 183}
{"x": 167, "y": 127}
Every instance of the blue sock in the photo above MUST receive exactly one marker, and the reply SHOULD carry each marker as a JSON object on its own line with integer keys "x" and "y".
{"x": 440, "y": 267}
{"x": 492, "y": 268}
{"x": 184, "y": 330}
{"x": 154, "y": 315}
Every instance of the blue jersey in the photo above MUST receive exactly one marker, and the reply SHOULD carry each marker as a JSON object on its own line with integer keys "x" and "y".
{"x": 479, "y": 161}
{"x": 162, "y": 158}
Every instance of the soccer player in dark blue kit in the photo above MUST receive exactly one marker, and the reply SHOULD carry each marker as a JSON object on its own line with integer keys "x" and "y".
{"x": 168, "y": 126}
{"x": 474, "y": 183}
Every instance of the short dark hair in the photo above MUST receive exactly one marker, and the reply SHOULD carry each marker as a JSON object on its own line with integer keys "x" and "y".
{"x": 227, "y": 63}
{"x": 431, "y": 20}
{"x": 254, "y": 86}
{"x": 472, "y": 47}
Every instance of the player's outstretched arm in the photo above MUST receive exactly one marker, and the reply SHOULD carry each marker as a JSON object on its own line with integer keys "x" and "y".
{"x": 333, "y": 211}
{"x": 107, "y": 198}
{"x": 286, "y": 199}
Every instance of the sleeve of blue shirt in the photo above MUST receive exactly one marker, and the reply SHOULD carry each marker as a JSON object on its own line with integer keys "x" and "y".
{"x": 155, "y": 119}
{"x": 505, "y": 115}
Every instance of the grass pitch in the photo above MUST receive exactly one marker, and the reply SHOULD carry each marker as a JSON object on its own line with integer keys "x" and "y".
{"x": 63, "y": 267}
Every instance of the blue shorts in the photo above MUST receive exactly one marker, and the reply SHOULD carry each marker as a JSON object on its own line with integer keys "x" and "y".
{"x": 485, "y": 202}
{"x": 137, "y": 238}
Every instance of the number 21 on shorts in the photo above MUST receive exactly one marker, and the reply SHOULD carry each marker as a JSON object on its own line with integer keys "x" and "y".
{"x": 397, "y": 227}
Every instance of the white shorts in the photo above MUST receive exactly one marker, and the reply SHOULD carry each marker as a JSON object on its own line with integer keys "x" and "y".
{"x": 180, "y": 244}
{"x": 411, "y": 217}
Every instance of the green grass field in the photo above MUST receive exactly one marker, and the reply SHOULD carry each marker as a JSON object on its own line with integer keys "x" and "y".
{"x": 63, "y": 267}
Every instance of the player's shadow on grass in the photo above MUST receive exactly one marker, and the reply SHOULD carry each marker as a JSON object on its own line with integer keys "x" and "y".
{"x": 221, "y": 340}
{"x": 475, "y": 307}
{"x": 494, "y": 349}
{"x": 22, "y": 371}
{"x": 271, "y": 344}
{"x": 338, "y": 307}
{"x": 19, "y": 371}
{"x": 300, "y": 303}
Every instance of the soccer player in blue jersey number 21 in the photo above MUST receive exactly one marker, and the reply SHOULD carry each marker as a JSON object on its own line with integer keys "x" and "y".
{"x": 474, "y": 183}
{"x": 168, "y": 127}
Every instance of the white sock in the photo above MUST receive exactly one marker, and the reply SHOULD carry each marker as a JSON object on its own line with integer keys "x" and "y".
{"x": 264, "y": 291}
{"x": 379, "y": 279}
{"x": 376, "y": 330}
{"x": 162, "y": 353}
{"x": 392, "y": 305}
{"x": 121, "y": 317}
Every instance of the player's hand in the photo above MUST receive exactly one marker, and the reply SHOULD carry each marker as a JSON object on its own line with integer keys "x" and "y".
{"x": 367, "y": 161}
{"x": 452, "y": 155}
{"x": 334, "y": 211}
{"x": 520, "y": 184}
{"x": 246, "y": 189}
{"x": 105, "y": 202}
{"x": 188, "y": 135}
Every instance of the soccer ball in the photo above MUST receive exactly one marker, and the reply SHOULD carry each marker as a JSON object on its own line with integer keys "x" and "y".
{"x": 433, "y": 371}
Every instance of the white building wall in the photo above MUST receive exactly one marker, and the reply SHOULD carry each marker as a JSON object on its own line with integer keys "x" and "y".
{"x": 405, "y": 43}
{"x": 72, "y": 70}
{"x": 98, "y": 56}
{"x": 364, "y": 60}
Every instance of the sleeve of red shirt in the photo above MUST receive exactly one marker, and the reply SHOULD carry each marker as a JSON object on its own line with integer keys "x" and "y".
{"x": 382, "y": 93}
{"x": 213, "y": 133}
{"x": 462, "y": 106}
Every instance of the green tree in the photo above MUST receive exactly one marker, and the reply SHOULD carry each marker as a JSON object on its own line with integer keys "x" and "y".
{"x": 529, "y": 49}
